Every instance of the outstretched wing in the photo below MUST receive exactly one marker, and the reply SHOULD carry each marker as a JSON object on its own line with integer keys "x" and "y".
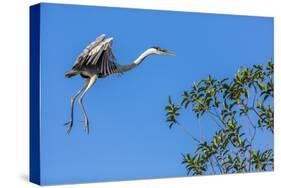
{"x": 89, "y": 53}
{"x": 103, "y": 59}
{"x": 107, "y": 62}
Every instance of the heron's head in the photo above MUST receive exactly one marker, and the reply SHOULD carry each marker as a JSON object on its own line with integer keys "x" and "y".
{"x": 161, "y": 51}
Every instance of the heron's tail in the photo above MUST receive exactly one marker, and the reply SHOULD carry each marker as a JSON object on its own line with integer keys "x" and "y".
{"x": 70, "y": 73}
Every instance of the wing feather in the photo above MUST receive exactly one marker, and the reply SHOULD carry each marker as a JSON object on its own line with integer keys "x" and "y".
{"x": 99, "y": 54}
{"x": 107, "y": 62}
{"x": 88, "y": 53}
{"x": 95, "y": 56}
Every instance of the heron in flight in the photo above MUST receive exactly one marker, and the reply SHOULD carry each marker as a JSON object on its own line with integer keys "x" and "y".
{"x": 97, "y": 61}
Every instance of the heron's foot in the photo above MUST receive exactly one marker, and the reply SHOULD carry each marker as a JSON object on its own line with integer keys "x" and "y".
{"x": 70, "y": 125}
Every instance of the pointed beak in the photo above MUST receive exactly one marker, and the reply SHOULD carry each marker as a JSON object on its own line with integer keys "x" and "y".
{"x": 167, "y": 52}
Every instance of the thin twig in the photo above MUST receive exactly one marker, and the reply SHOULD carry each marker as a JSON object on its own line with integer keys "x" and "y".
{"x": 213, "y": 118}
{"x": 254, "y": 127}
{"x": 255, "y": 95}
{"x": 216, "y": 114}
{"x": 212, "y": 166}
{"x": 254, "y": 110}
{"x": 219, "y": 165}
{"x": 189, "y": 134}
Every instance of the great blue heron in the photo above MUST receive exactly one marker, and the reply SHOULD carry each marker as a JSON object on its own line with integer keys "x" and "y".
{"x": 97, "y": 61}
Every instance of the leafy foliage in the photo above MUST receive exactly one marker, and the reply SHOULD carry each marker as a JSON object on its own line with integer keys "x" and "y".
{"x": 227, "y": 102}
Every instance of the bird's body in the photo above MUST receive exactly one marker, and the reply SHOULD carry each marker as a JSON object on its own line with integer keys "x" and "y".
{"x": 98, "y": 61}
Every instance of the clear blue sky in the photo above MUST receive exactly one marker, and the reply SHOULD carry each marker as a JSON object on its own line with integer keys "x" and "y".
{"x": 129, "y": 138}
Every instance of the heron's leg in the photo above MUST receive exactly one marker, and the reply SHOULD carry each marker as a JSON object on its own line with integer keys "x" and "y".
{"x": 92, "y": 80}
{"x": 70, "y": 123}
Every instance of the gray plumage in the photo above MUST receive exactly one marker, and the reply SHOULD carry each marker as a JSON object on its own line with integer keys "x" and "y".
{"x": 96, "y": 58}
{"x": 98, "y": 61}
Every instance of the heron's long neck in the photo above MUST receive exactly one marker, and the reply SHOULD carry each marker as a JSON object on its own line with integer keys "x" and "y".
{"x": 138, "y": 61}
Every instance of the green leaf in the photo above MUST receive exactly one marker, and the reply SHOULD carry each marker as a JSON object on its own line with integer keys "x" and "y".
{"x": 170, "y": 100}
{"x": 261, "y": 85}
{"x": 247, "y": 93}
